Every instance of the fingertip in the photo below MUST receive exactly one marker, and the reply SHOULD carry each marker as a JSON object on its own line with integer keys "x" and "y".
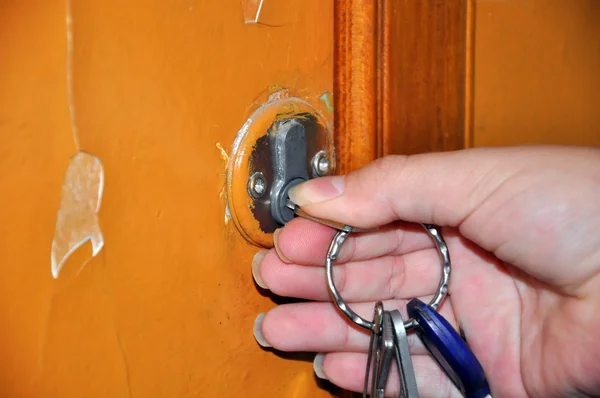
{"x": 258, "y": 331}
{"x": 278, "y": 246}
{"x": 256, "y": 268}
{"x": 319, "y": 366}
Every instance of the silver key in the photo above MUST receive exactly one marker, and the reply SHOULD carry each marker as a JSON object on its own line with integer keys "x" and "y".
{"x": 388, "y": 352}
{"x": 408, "y": 381}
{"x": 333, "y": 224}
{"x": 374, "y": 348}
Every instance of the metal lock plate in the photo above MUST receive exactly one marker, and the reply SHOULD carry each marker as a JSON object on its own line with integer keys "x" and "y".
{"x": 285, "y": 142}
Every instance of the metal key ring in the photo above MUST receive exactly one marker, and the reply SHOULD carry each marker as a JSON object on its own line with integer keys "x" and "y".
{"x": 334, "y": 250}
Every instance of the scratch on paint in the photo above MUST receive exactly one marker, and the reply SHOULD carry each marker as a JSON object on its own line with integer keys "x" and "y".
{"x": 124, "y": 358}
{"x": 223, "y": 152}
{"x": 81, "y": 196}
{"x": 69, "y": 71}
{"x": 225, "y": 157}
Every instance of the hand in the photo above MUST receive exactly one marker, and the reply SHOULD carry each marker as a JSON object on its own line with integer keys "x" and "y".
{"x": 523, "y": 229}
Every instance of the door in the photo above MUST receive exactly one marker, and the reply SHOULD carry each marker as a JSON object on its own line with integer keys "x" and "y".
{"x": 157, "y": 91}
{"x": 537, "y": 79}
{"x": 139, "y": 107}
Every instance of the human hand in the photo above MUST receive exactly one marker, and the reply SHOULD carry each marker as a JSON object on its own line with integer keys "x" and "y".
{"x": 523, "y": 229}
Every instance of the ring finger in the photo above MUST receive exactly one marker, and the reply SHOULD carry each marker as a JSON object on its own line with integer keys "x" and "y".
{"x": 319, "y": 327}
{"x": 377, "y": 279}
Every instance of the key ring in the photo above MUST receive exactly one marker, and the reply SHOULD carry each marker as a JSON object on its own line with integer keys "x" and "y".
{"x": 334, "y": 250}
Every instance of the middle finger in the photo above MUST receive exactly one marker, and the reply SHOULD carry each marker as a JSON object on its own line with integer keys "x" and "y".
{"x": 411, "y": 275}
{"x": 319, "y": 327}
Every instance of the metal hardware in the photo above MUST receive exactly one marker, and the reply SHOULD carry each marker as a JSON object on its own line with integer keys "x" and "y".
{"x": 374, "y": 354}
{"x": 334, "y": 249}
{"x": 408, "y": 381}
{"x": 321, "y": 165}
{"x": 257, "y": 185}
{"x": 289, "y": 166}
{"x": 282, "y": 159}
{"x": 279, "y": 140}
{"x": 340, "y": 227}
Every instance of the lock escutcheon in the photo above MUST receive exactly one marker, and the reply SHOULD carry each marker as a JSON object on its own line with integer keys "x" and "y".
{"x": 284, "y": 143}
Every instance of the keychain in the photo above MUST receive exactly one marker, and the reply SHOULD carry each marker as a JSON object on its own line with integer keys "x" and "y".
{"x": 389, "y": 331}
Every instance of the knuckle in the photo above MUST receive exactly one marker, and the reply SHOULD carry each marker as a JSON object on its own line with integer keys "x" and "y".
{"x": 397, "y": 275}
{"x": 388, "y": 167}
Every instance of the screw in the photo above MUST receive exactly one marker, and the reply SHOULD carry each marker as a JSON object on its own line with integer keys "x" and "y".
{"x": 257, "y": 185}
{"x": 321, "y": 164}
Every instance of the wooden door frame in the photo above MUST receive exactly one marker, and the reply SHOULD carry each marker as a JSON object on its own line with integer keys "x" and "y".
{"x": 403, "y": 74}
{"x": 403, "y": 77}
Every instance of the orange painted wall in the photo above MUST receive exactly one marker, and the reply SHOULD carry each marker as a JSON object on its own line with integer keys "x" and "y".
{"x": 167, "y": 308}
{"x": 537, "y": 72}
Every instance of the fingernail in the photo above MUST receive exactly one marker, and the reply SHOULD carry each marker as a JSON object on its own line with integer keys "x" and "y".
{"x": 317, "y": 190}
{"x": 256, "y": 262}
{"x": 318, "y": 366}
{"x": 258, "y": 334}
{"x": 277, "y": 249}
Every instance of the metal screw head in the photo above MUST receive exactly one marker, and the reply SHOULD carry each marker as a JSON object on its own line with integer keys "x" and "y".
{"x": 257, "y": 185}
{"x": 321, "y": 164}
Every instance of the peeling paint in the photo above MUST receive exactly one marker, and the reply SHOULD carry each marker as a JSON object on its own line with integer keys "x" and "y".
{"x": 77, "y": 219}
{"x": 327, "y": 99}
{"x": 251, "y": 10}
{"x": 227, "y": 214}
{"x": 223, "y": 152}
{"x": 277, "y": 93}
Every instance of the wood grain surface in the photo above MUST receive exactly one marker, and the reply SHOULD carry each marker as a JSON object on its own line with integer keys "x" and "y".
{"x": 403, "y": 78}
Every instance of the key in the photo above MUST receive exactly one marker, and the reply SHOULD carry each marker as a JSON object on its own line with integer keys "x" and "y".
{"x": 387, "y": 353}
{"x": 408, "y": 380}
{"x": 449, "y": 350}
{"x": 394, "y": 345}
{"x": 374, "y": 348}
{"x": 333, "y": 224}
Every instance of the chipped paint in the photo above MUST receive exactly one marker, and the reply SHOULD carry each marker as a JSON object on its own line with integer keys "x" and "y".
{"x": 251, "y": 10}
{"x": 223, "y": 152}
{"x": 327, "y": 99}
{"x": 77, "y": 219}
{"x": 277, "y": 93}
{"x": 77, "y": 216}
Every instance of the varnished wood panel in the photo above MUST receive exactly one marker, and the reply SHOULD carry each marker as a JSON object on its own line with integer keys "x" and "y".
{"x": 356, "y": 69}
{"x": 427, "y": 82}
{"x": 403, "y": 78}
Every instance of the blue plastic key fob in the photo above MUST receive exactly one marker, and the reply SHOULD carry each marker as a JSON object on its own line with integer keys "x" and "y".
{"x": 450, "y": 351}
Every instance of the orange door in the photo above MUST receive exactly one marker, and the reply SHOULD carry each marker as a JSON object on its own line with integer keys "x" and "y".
{"x": 157, "y": 96}
{"x": 158, "y": 92}
{"x": 537, "y": 77}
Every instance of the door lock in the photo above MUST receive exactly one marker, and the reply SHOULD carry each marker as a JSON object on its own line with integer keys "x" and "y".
{"x": 284, "y": 163}
{"x": 293, "y": 147}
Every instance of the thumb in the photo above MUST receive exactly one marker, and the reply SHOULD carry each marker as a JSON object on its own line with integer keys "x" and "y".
{"x": 533, "y": 207}
{"x": 437, "y": 188}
